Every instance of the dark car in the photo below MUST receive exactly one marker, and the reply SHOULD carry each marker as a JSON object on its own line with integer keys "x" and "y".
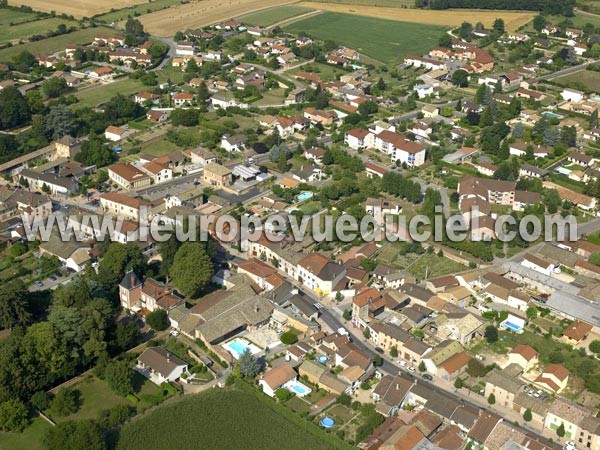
{"x": 427, "y": 377}
{"x": 52, "y": 278}
{"x": 379, "y": 350}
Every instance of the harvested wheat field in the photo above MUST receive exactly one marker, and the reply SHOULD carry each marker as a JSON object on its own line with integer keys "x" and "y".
{"x": 200, "y": 13}
{"x": 78, "y": 8}
{"x": 512, "y": 19}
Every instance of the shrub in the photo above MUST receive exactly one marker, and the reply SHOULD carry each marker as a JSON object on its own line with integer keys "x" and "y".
{"x": 288, "y": 338}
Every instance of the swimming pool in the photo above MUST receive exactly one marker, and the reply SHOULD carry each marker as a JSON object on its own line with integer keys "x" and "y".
{"x": 304, "y": 196}
{"x": 298, "y": 388}
{"x": 322, "y": 359}
{"x": 552, "y": 115}
{"x": 238, "y": 346}
{"x": 327, "y": 422}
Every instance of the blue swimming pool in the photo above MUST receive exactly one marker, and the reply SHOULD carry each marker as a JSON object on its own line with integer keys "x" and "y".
{"x": 322, "y": 359}
{"x": 327, "y": 422}
{"x": 512, "y": 326}
{"x": 304, "y": 196}
{"x": 298, "y": 388}
{"x": 552, "y": 115}
{"x": 238, "y": 346}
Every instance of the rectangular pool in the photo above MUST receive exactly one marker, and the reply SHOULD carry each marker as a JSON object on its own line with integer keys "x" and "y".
{"x": 298, "y": 388}
{"x": 513, "y": 327}
{"x": 238, "y": 346}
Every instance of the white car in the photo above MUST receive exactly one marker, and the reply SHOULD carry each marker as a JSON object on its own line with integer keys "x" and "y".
{"x": 174, "y": 333}
{"x": 403, "y": 363}
{"x": 411, "y": 369}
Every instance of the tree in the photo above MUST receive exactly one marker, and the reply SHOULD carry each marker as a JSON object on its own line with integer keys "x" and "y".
{"x": 13, "y": 416}
{"x": 94, "y": 151}
{"x": 527, "y": 416}
{"x": 367, "y": 333}
{"x": 491, "y": 399}
{"x": 288, "y": 338}
{"x": 377, "y": 360}
{"x": 75, "y": 436}
{"x": 40, "y": 400}
{"x": 185, "y": 117}
{"x": 119, "y": 377}
{"x": 249, "y": 365}
{"x": 499, "y": 26}
{"x": 23, "y": 61}
{"x": 14, "y": 307}
{"x": 458, "y": 383}
{"x": 532, "y": 312}
{"x": 65, "y": 402}
{"x": 14, "y": 110}
{"x": 283, "y": 395}
{"x": 539, "y": 22}
{"x": 54, "y": 87}
{"x": 595, "y": 346}
{"x": 158, "y": 320}
{"x": 491, "y": 334}
{"x": 445, "y": 41}
{"x": 192, "y": 268}
{"x": 560, "y": 431}
{"x": 58, "y": 122}
{"x": 422, "y": 367}
{"x": 134, "y": 27}
{"x": 394, "y": 352}
{"x": 118, "y": 260}
{"x": 460, "y": 78}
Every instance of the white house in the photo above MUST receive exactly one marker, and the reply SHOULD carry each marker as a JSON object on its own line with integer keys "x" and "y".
{"x": 159, "y": 365}
{"x": 571, "y": 95}
{"x": 277, "y": 378}
{"x": 235, "y": 143}
{"x": 115, "y": 134}
{"x": 359, "y": 138}
{"x": 538, "y": 264}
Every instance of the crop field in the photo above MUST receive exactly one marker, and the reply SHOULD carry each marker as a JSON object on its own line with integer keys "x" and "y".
{"x": 196, "y": 14}
{"x": 270, "y": 16}
{"x": 387, "y": 41}
{"x": 219, "y": 419}
{"x": 512, "y": 19}
{"x": 25, "y": 29}
{"x": 55, "y": 44}
{"x": 136, "y": 10}
{"x": 585, "y": 78}
{"x": 79, "y": 8}
{"x": 384, "y": 3}
{"x": 13, "y": 17}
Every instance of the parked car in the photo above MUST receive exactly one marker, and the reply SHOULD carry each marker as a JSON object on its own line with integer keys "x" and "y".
{"x": 379, "y": 350}
{"x": 427, "y": 377}
{"x": 174, "y": 333}
{"x": 411, "y": 369}
{"x": 39, "y": 284}
{"x": 52, "y": 278}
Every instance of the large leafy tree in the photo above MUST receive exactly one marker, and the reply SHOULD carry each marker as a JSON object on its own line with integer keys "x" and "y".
{"x": 192, "y": 268}
{"x": 14, "y": 308}
{"x": 75, "y": 436}
{"x": 95, "y": 152}
{"x": 14, "y": 110}
{"x": 249, "y": 365}
{"x": 118, "y": 259}
{"x": 158, "y": 320}
{"x": 13, "y": 415}
{"x": 119, "y": 376}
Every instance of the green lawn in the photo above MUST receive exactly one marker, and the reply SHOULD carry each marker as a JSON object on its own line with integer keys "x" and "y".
{"x": 142, "y": 8}
{"x": 434, "y": 266}
{"x": 270, "y": 16}
{"x": 27, "y": 29}
{"x": 327, "y": 72}
{"x": 387, "y": 41}
{"x": 55, "y": 44}
{"x": 101, "y": 93}
{"x": 380, "y": 3}
{"x": 14, "y": 17}
{"x": 225, "y": 419}
{"x": 29, "y": 439}
{"x": 96, "y": 396}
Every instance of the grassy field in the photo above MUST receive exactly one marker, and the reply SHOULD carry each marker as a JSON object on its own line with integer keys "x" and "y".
{"x": 80, "y": 8}
{"x": 219, "y": 419}
{"x": 29, "y": 439}
{"x": 434, "y": 266}
{"x": 587, "y": 78}
{"x": 55, "y": 44}
{"x": 386, "y": 41}
{"x": 195, "y": 14}
{"x": 14, "y": 17}
{"x": 101, "y": 93}
{"x": 512, "y": 19}
{"x": 272, "y": 15}
{"x": 26, "y": 29}
{"x": 131, "y": 11}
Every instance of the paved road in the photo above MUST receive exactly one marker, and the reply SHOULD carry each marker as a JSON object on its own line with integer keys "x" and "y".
{"x": 564, "y": 72}
{"x": 170, "y": 54}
